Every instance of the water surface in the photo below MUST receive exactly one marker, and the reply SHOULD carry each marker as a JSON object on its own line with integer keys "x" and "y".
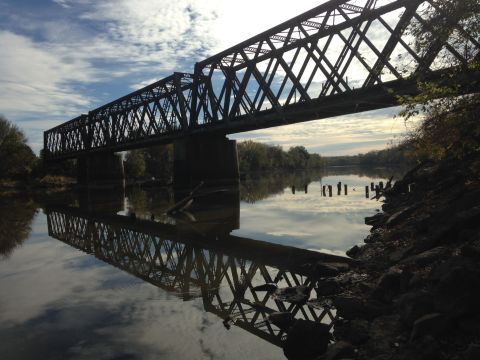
{"x": 110, "y": 276}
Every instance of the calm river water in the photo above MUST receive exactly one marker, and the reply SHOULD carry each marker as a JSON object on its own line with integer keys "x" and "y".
{"x": 110, "y": 276}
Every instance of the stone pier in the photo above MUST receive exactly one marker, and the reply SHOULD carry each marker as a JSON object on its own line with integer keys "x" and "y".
{"x": 100, "y": 170}
{"x": 211, "y": 159}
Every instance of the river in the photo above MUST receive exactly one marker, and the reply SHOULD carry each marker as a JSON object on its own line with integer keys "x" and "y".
{"x": 99, "y": 275}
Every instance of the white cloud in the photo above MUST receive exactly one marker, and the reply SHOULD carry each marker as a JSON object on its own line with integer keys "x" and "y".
{"x": 38, "y": 79}
{"x": 62, "y": 3}
{"x": 352, "y": 134}
{"x": 89, "y": 45}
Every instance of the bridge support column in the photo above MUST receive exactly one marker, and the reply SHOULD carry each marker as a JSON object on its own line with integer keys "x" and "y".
{"x": 100, "y": 170}
{"x": 212, "y": 159}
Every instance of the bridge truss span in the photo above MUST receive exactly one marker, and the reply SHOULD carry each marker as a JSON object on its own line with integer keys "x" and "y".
{"x": 339, "y": 58}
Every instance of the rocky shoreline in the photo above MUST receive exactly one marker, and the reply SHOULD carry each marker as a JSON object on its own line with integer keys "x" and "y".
{"x": 415, "y": 291}
{"x": 412, "y": 291}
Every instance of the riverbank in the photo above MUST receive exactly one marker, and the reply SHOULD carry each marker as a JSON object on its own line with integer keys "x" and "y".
{"x": 60, "y": 183}
{"x": 415, "y": 293}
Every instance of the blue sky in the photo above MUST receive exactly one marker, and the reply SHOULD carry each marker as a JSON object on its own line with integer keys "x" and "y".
{"x": 62, "y": 58}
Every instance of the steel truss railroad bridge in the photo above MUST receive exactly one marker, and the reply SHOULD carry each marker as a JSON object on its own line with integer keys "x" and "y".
{"x": 342, "y": 57}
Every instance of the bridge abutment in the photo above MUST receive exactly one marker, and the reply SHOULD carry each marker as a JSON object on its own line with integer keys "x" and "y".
{"x": 100, "y": 170}
{"x": 211, "y": 159}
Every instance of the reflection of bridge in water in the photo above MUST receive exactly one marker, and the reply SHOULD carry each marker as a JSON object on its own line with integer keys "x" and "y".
{"x": 222, "y": 270}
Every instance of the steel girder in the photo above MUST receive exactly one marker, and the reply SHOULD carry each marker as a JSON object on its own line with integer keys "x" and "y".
{"x": 339, "y": 58}
{"x": 160, "y": 109}
{"x": 179, "y": 263}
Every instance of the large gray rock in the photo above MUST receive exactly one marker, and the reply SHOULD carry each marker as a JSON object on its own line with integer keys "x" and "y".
{"x": 349, "y": 307}
{"x": 391, "y": 283}
{"x": 431, "y": 324}
{"x": 413, "y": 305}
{"x": 426, "y": 257}
{"x": 294, "y": 294}
{"x": 472, "y": 352}
{"x": 306, "y": 340}
{"x": 327, "y": 287}
{"x": 353, "y": 252}
{"x": 284, "y": 320}
{"x": 354, "y": 331}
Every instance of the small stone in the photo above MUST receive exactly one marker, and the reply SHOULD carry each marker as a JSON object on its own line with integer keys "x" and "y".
{"x": 375, "y": 219}
{"x": 383, "y": 334}
{"x": 320, "y": 304}
{"x": 340, "y": 350}
{"x": 294, "y": 295}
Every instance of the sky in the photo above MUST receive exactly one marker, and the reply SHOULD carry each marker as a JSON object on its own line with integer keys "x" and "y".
{"x": 62, "y": 58}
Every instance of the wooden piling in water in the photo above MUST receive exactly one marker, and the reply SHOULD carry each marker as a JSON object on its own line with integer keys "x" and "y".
{"x": 293, "y": 189}
{"x": 324, "y": 190}
{"x": 330, "y": 190}
{"x": 367, "y": 192}
{"x": 381, "y": 185}
{"x": 346, "y": 189}
{"x": 372, "y": 186}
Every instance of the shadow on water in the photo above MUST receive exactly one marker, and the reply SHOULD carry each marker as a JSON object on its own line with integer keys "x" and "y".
{"x": 196, "y": 257}
{"x": 16, "y": 217}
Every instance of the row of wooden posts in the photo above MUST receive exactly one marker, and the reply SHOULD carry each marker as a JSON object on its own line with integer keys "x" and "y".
{"x": 377, "y": 188}
{"x": 326, "y": 188}
{"x": 329, "y": 189}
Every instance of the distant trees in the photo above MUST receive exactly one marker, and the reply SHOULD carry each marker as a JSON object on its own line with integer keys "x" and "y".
{"x": 156, "y": 162}
{"x": 16, "y": 157}
{"x": 135, "y": 164}
{"x": 393, "y": 156}
{"x": 255, "y": 157}
{"x": 15, "y": 223}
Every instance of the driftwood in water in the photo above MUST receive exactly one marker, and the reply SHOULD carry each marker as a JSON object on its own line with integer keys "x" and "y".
{"x": 185, "y": 202}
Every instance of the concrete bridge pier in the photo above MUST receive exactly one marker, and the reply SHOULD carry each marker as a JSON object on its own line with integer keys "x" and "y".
{"x": 211, "y": 159}
{"x": 100, "y": 170}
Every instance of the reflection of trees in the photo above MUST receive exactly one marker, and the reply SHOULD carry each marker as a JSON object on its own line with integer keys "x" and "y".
{"x": 259, "y": 187}
{"x": 145, "y": 202}
{"x": 374, "y": 172}
{"x": 16, "y": 217}
{"x": 263, "y": 185}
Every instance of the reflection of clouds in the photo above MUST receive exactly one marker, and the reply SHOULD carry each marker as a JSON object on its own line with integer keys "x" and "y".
{"x": 62, "y": 303}
{"x": 312, "y": 221}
